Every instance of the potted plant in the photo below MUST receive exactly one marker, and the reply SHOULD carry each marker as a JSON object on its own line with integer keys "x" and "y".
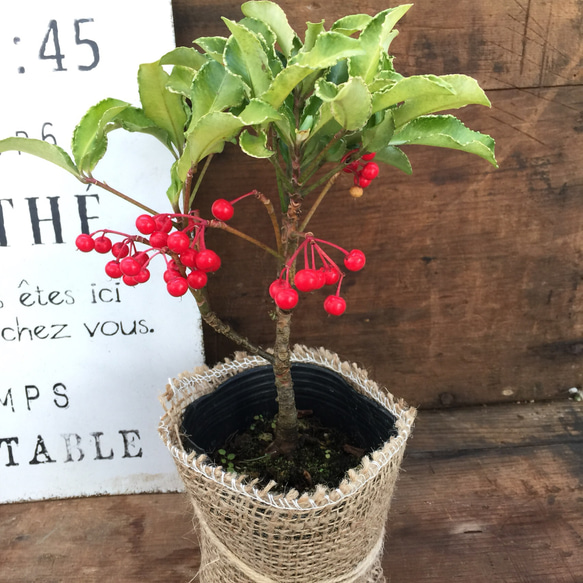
{"x": 325, "y": 111}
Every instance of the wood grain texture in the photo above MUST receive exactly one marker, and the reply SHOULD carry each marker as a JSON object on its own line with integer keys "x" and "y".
{"x": 471, "y": 290}
{"x": 486, "y": 494}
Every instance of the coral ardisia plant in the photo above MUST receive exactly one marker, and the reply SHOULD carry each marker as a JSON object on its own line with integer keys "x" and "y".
{"x": 326, "y": 110}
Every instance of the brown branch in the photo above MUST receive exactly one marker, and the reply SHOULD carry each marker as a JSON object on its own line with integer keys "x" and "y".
{"x": 273, "y": 217}
{"x": 317, "y": 202}
{"x": 91, "y": 180}
{"x": 222, "y": 225}
{"x": 223, "y": 328}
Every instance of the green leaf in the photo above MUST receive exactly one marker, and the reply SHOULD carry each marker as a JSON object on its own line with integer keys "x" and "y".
{"x": 180, "y": 80}
{"x": 89, "y": 142}
{"x": 377, "y": 137}
{"x": 348, "y": 25}
{"x": 273, "y": 15}
{"x": 429, "y": 94}
{"x": 422, "y": 88}
{"x": 329, "y": 48}
{"x": 313, "y": 30}
{"x": 40, "y": 149}
{"x": 176, "y": 185}
{"x": 284, "y": 83}
{"x": 246, "y": 57}
{"x": 268, "y": 39}
{"x": 162, "y": 106}
{"x": 394, "y": 157}
{"x": 255, "y": 145}
{"x": 208, "y": 136}
{"x": 445, "y": 131}
{"x": 214, "y": 89}
{"x": 213, "y": 46}
{"x": 184, "y": 57}
{"x": 133, "y": 119}
{"x": 350, "y": 103}
{"x": 323, "y": 117}
{"x": 375, "y": 40}
{"x": 259, "y": 112}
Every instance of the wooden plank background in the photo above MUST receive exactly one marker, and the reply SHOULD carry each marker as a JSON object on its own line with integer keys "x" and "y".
{"x": 471, "y": 290}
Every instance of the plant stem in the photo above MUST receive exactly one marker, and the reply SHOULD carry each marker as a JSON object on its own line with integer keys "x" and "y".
{"x": 186, "y": 190}
{"x": 105, "y": 186}
{"x": 286, "y": 432}
{"x": 222, "y": 225}
{"x": 273, "y": 217}
{"x": 223, "y": 328}
{"x": 317, "y": 202}
{"x": 199, "y": 180}
{"x": 316, "y": 162}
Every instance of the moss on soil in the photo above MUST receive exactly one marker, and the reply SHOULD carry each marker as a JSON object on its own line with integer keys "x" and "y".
{"x": 324, "y": 455}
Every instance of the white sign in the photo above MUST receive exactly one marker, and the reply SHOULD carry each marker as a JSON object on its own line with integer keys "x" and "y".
{"x": 83, "y": 357}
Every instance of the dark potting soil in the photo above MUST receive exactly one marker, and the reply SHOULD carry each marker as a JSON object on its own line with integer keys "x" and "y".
{"x": 323, "y": 456}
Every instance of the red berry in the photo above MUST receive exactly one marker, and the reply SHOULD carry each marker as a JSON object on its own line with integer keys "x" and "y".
{"x": 277, "y": 286}
{"x": 320, "y": 278}
{"x": 363, "y": 183}
{"x": 129, "y": 280}
{"x": 103, "y": 244}
{"x": 141, "y": 257}
{"x": 369, "y": 156}
{"x": 222, "y": 209}
{"x": 171, "y": 274}
{"x": 85, "y": 243}
{"x": 113, "y": 269}
{"x": 355, "y": 260}
{"x": 370, "y": 171}
{"x": 143, "y": 275}
{"x": 129, "y": 266}
{"x": 177, "y": 287}
{"x": 197, "y": 279}
{"x": 146, "y": 224}
{"x": 158, "y": 239}
{"x": 188, "y": 258}
{"x": 306, "y": 280}
{"x": 286, "y": 299}
{"x": 178, "y": 241}
{"x": 335, "y": 305}
{"x": 120, "y": 250}
{"x": 163, "y": 223}
{"x": 332, "y": 275}
{"x": 208, "y": 261}
{"x": 352, "y": 167}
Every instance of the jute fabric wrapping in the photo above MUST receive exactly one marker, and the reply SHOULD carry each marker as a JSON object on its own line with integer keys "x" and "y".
{"x": 249, "y": 534}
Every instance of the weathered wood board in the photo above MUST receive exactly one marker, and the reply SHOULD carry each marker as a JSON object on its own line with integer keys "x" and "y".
{"x": 471, "y": 290}
{"x": 486, "y": 494}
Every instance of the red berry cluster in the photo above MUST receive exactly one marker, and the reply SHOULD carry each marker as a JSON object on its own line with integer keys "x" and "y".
{"x": 187, "y": 258}
{"x": 364, "y": 170}
{"x": 312, "y": 277}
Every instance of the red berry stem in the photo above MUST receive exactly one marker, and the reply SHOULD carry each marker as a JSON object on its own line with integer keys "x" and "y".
{"x": 332, "y": 245}
{"x": 252, "y": 193}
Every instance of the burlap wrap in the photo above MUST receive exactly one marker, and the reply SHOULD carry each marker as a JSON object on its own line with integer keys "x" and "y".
{"x": 249, "y": 535}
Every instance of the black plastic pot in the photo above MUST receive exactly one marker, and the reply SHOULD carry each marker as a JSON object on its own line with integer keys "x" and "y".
{"x": 210, "y": 420}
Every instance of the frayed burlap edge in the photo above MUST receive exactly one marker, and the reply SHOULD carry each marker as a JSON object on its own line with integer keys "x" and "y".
{"x": 189, "y": 386}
